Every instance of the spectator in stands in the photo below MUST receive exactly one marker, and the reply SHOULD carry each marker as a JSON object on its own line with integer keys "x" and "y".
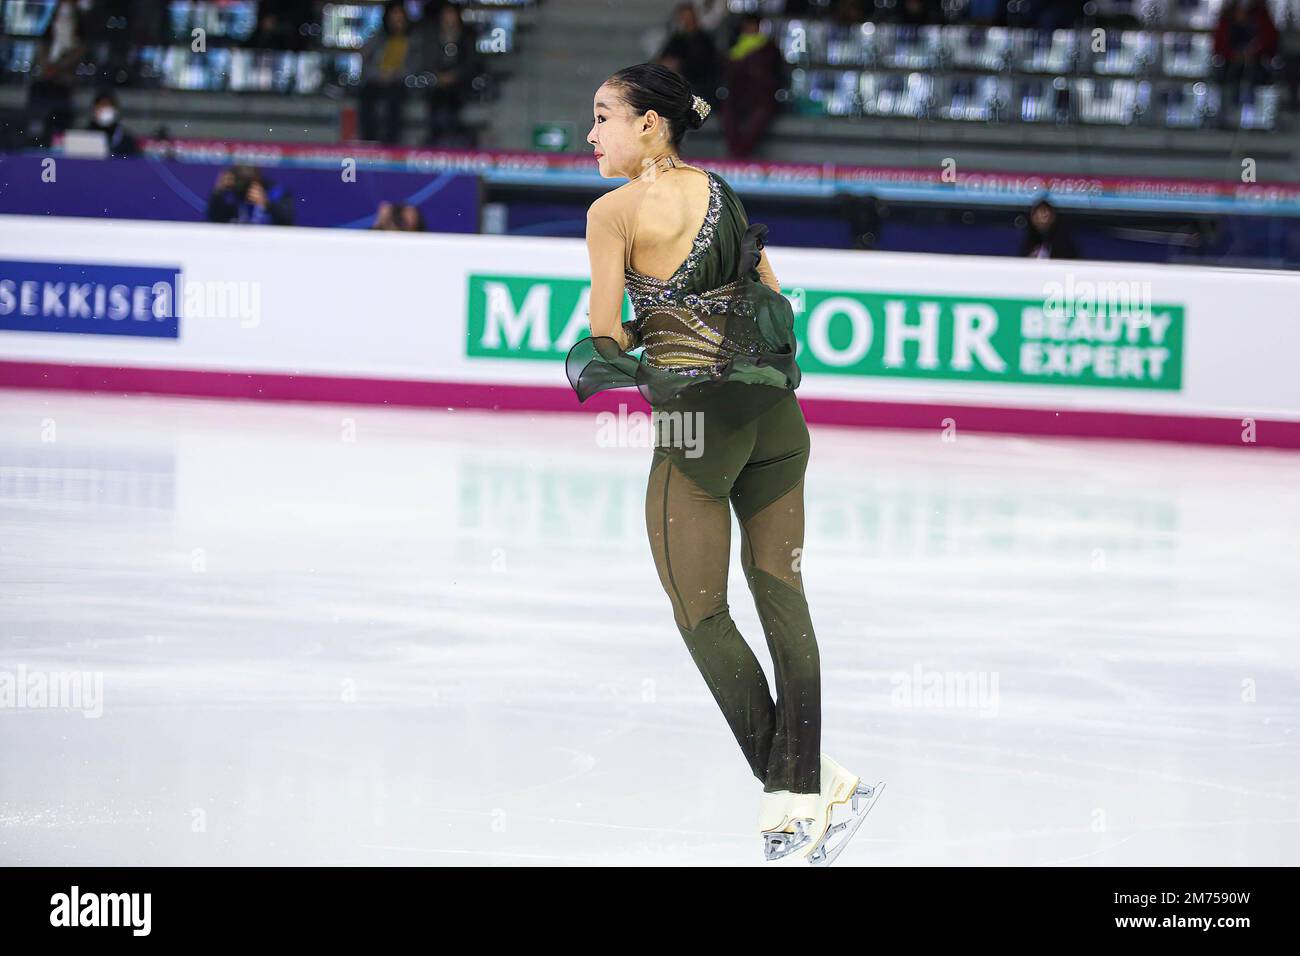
{"x": 454, "y": 62}
{"x": 105, "y": 116}
{"x": 385, "y": 218}
{"x": 402, "y": 217}
{"x": 1245, "y": 42}
{"x": 243, "y": 194}
{"x": 1045, "y": 238}
{"x": 753, "y": 77}
{"x": 55, "y": 71}
{"x": 387, "y": 60}
{"x": 690, "y": 52}
{"x": 106, "y": 29}
{"x": 409, "y": 218}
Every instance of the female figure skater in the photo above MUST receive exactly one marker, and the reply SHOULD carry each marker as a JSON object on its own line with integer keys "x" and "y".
{"x": 719, "y": 347}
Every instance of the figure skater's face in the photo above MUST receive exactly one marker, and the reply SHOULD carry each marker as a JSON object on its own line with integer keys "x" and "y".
{"x": 624, "y": 139}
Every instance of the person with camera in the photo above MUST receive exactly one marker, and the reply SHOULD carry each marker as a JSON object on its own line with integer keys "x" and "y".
{"x": 243, "y": 194}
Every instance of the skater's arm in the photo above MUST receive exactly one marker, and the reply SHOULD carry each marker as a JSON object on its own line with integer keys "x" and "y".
{"x": 765, "y": 273}
{"x": 606, "y": 249}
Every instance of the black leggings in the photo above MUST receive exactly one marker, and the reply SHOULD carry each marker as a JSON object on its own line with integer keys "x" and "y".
{"x": 756, "y": 465}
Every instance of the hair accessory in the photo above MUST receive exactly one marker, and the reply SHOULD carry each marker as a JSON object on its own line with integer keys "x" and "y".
{"x": 701, "y": 106}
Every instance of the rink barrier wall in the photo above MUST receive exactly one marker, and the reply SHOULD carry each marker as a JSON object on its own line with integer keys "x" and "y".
{"x": 471, "y": 321}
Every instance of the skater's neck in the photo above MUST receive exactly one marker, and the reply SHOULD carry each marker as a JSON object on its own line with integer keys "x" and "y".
{"x": 652, "y": 164}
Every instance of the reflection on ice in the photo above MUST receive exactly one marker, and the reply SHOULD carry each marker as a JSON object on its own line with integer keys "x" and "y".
{"x": 331, "y": 635}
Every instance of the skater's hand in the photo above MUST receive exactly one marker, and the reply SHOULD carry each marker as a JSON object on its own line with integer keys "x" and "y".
{"x": 766, "y": 275}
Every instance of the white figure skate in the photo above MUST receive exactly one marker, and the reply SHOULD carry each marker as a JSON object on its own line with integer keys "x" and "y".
{"x": 785, "y": 820}
{"x": 843, "y": 804}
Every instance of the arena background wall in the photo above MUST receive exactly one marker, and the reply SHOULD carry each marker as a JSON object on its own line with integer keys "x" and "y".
{"x": 892, "y": 340}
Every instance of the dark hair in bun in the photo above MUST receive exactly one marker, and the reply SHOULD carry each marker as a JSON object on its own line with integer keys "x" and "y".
{"x": 649, "y": 86}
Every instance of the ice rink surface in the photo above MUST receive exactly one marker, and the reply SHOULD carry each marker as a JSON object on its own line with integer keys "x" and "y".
{"x": 332, "y": 635}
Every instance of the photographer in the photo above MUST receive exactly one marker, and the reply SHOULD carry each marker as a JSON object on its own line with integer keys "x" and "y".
{"x": 243, "y": 194}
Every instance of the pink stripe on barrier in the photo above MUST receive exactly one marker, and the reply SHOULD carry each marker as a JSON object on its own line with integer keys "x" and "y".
{"x": 827, "y": 411}
{"x": 1066, "y": 423}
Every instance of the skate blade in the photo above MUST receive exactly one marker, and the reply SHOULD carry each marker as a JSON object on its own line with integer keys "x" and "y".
{"x": 780, "y": 844}
{"x": 837, "y": 835}
{"x": 848, "y": 800}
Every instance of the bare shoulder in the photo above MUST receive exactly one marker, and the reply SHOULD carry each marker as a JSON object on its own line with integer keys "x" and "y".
{"x": 674, "y": 203}
{"x": 614, "y": 203}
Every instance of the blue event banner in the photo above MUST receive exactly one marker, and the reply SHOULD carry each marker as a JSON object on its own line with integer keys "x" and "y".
{"x": 90, "y": 299}
{"x": 166, "y": 190}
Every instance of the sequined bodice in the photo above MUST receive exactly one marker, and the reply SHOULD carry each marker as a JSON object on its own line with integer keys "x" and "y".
{"x": 689, "y": 330}
{"x": 712, "y": 321}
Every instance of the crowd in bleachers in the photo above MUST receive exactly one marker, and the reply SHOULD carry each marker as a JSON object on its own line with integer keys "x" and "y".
{"x": 1202, "y": 61}
{"x": 1185, "y": 63}
{"x": 394, "y": 53}
{"x": 1035, "y": 14}
{"x": 1172, "y": 63}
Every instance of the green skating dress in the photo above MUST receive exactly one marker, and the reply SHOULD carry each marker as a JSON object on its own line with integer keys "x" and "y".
{"x": 713, "y": 321}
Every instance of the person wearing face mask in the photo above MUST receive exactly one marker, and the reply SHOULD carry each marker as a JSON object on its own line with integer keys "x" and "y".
{"x": 105, "y": 117}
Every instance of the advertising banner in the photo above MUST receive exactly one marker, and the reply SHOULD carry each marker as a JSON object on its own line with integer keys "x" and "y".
{"x": 486, "y": 321}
